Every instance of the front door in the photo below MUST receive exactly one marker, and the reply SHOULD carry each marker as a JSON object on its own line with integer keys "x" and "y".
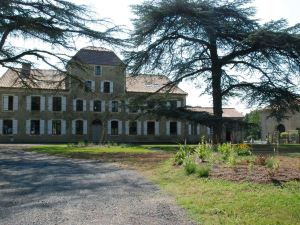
{"x": 96, "y": 132}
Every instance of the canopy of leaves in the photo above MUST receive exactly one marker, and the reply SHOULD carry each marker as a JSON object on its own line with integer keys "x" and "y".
{"x": 253, "y": 130}
{"x": 223, "y": 46}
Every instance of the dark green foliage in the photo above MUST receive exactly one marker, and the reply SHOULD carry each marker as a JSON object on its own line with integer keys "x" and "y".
{"x": 253, "y": 130}
{"x": 222, "y": 45}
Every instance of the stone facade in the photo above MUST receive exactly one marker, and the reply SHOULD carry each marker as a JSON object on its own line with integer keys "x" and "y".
{"x": 93, "y": 104}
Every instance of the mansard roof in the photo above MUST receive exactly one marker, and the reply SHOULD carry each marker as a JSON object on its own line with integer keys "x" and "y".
{"x": 227, "y": 112}
{"x": 150, "y": 84}
{"x": 97, "y": 56}
{"x": 38, "y": 79}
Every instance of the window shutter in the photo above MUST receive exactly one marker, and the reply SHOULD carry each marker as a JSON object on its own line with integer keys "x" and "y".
{"x": 208, "y": 130}
{"x": 42, "y": 103}
{"x": 178, "y": 128}
{"x": 93, "y": 86}
{"x": 42, "y": 126}
{"x": 73, "y": 126}
{"x": 198, "y": 129}
{"x": 49, "y": 127}
{"x": 84, "y": 105}
{"x": 156, "y": 128}
{"x": 16, "y": 103}
{"x": 91, "y": 105}
{"x": 74, "y": 105}
{"x": 103, "y": 106}
{"x": 190, "y": 129}
{"x": 110, "y": 106}
{"x": 50, "y": 103}
{"x": 1, "y": 126}
{"x": 127, "y": 106}
{"x": 178, "y": 104}
{"x": 63, "y": 103}
{"x": 127, "y": 127}
{"x": 27, "y": 126}
{"x": 145, "y": 128}
{"x": 15, "y": 126}
{"x": 119, "y": 127}
{"x": 85, "y": 127}
{"x": 63, "y": 127}
{"x": 109, "y": 127}
{"x": 5, "y": 102}
{"x": 139, "y": 128}
{"x": 28, "y": 103}
{"x": 168, "y": 127}
{"x": 111, "y": 87}
{"x": 101, "y": 87}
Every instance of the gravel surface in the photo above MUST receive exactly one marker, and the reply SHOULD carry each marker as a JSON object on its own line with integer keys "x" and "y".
{"x": 41, "y": 189}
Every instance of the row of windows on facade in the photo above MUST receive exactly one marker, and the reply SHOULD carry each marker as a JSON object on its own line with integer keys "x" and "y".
{"x": 79, "y": 127}
{"x": 105, "y": 86}
{"x": 58, "y": 104}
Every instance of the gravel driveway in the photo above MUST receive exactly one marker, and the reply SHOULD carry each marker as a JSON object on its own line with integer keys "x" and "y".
{"x": 42, "y": 189}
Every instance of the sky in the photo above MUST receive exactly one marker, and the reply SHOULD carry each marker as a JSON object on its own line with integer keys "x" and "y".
{"x": 119, "y": 12}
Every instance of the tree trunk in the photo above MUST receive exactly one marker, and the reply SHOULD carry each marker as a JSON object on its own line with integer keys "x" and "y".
{"x": 217, "y": 105}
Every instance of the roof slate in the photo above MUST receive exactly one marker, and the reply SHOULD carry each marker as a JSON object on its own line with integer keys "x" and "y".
{"x": 227, "y": 112}
{"x": 97, "y": 56}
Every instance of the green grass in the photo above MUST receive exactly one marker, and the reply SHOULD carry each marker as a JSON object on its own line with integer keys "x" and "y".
{"x": 212, "y": 201}
{"x": 69, "y": 149}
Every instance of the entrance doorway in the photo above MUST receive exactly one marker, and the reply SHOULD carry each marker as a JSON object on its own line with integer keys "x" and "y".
{"x": 96, "y": 131}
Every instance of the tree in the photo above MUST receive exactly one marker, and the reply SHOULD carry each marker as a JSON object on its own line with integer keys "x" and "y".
{"x": 222, "y": 44}
{"x": 254, "y": 128}
{"x": 56, "y": 24}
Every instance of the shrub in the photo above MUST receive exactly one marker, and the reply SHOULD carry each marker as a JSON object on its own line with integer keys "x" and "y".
{"x": 190, "y": 167}
{"x": 203, "y": 150}
{"x": 203, "y": 171}
{"x": 183, "y": 153}
{"x": 225, "y": 149}
{"x": 242, "y": 149}
{"x": 231, "y": 160}
{"x": 272, "y": 165}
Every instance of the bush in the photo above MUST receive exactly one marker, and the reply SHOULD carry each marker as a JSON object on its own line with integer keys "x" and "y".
{"x": 231, "y": 160}
{"x": 183, "y": 153}
{"x": 203, "y": 150}
{"x": 242, "y": 149}
{"x": 272, "y": 165}
{"x": 225, "y": 149}
{"x": 190, "y": 167}
{"x": 203, "y": 171}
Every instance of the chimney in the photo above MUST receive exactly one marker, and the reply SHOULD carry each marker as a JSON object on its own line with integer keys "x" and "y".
{"x": 25, "y": 71}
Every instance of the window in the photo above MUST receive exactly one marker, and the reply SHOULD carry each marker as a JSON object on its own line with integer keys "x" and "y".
{"x": 79, "y": 105}
{"x": 173, "y": 104}
{"x": 35, "y": 103}
{"x": 106, "y": 87}
{"x": 114, "y": 127}
{"x": 98, "y": 70}
{"x": 97, "y": 106}
{"x": 132, "y": 128}
{"x": 56, "y": 104}
{"x": 79, "y": 127}
{"x": 56, "y": 127}
{"x": 193, "y": 129}
{"x": 150, "y": 128}
{"x": 114, "y": 106}
{"x": 34, "y": 127}
{"x": 173, "y": 128}
{"x": 88, "y": 86}
{"x": 8, "y": 103}
{"x": 7, "y": 127}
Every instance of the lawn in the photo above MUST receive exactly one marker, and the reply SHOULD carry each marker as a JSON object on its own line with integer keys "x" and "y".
{"x": 207, "y": 200}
